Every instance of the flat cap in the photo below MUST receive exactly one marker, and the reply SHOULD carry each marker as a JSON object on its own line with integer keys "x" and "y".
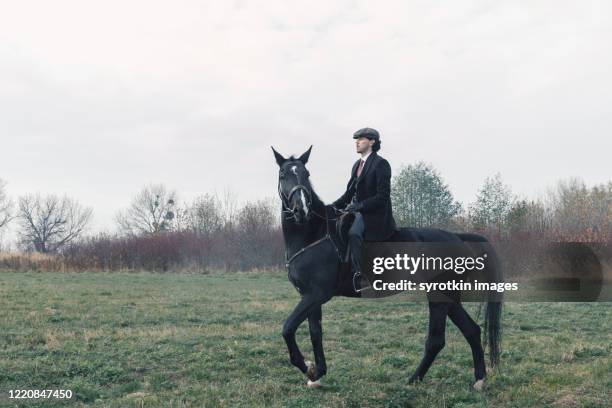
{"x": 370, "y": 133}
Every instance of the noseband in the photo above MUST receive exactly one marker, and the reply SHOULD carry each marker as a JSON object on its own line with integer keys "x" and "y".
{"x": 285, "y": 199}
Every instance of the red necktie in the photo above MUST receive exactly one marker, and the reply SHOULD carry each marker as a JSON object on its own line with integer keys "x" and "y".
{"x": 360, "y": 168}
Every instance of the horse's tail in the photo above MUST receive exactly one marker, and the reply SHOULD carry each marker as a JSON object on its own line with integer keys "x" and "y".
{"x": 493, "y": 310}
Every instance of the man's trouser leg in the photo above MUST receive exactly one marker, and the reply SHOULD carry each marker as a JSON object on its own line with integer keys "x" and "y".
{"x": 355, "y": 236}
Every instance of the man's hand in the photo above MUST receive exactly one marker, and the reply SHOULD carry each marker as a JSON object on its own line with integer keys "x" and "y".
{"x": 353, "y": 207}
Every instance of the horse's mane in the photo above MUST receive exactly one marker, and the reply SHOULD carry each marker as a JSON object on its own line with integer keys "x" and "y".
{"x": 316, "y": 200}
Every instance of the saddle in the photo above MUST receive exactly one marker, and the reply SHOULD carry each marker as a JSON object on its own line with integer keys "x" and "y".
{"x": 343, "y": 225}
{"x": 345, "y": 272}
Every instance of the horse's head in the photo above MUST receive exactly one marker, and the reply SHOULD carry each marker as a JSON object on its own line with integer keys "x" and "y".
{"x": 294, "y": 187}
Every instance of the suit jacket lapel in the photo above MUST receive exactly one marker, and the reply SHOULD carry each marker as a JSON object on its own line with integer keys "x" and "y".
{"x": 368, "y": 164}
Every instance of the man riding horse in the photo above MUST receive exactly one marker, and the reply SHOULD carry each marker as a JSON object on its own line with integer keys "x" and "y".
{"x": 314, "y": 259}
{"x": 368, "y": 196}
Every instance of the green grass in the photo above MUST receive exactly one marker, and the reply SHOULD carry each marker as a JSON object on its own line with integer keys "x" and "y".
{"x": 134, "y": 340}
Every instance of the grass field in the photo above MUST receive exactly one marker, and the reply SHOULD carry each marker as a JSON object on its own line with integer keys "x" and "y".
{"x": 148, "y": 340}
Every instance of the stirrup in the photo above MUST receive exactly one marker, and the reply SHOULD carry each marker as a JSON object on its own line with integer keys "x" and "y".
{"x": 356, "y": 277}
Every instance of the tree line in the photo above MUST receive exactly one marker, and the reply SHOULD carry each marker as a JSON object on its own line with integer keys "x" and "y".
{"x": 212, "y": 232}
{"x": 569, "y": 211}
{"x": 154, "y": 232}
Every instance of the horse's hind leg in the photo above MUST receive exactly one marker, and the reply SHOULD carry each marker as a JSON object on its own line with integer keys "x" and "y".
{"x": 435, "y": 338}
{"x": 299, "y": 314}
{"x": 316, "y": 337}
{"x": 471, "y": 332}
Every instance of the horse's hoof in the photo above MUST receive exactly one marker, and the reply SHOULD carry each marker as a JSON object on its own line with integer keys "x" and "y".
{"x": 479, "y": 385}
{"x": 314, "y": 384}
{"x": 311, "y": 373}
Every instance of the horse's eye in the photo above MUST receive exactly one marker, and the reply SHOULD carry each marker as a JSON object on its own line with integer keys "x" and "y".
{"x": 307, "y": 173}
{"x": 281, "y": 174}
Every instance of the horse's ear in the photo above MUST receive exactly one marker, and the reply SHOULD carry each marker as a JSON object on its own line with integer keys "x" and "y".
{"x": 304, "y": 158}
{"x": 279, "y": 157}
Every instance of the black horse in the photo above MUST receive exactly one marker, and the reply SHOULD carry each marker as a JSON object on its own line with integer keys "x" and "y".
{"x": 314, "y": 265}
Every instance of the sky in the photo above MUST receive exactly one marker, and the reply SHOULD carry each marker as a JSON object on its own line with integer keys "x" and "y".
{"x": 98, "y": 99}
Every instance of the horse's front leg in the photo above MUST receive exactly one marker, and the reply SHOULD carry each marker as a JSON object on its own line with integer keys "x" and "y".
{"x": 316, "y": 337}
{"x": 299, "y": 314}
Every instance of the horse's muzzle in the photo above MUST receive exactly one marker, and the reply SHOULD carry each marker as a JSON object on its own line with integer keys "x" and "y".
{"x": 300, "y": 216}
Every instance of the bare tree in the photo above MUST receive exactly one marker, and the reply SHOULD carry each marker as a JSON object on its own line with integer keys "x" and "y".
{"x": 152, "y": 211}
{"x": 257, "y": 218}
{"x": 48, "y": 223}
{"x": 6, "y": 206}
{"x": 204, "y": 216}
{"x": 228, "y": 207}
{"x": 577, "y": 207}
{"x": 258, "y": 234}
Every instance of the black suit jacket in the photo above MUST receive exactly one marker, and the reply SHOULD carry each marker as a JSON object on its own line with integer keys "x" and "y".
{"x": 373, "y": 190}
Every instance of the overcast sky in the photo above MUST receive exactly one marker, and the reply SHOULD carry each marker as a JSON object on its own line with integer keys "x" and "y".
{"x": 99, "y": 98}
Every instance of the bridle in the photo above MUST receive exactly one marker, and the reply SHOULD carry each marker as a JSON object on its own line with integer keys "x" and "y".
{"x": 285, "y": 199}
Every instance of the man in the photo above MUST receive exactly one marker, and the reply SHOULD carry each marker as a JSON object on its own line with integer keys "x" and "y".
{"x": 368, "y": 195}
